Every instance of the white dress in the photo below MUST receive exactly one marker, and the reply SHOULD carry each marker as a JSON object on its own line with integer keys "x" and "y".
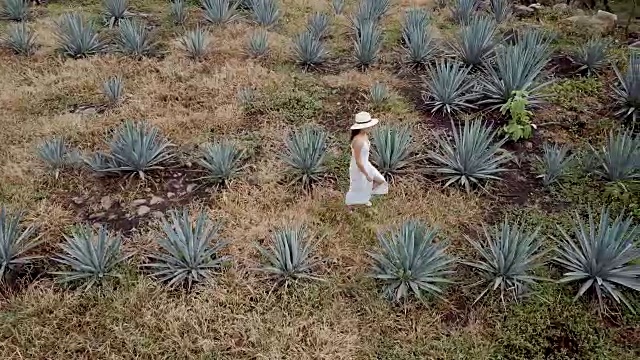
{"x": 360, "y": 190}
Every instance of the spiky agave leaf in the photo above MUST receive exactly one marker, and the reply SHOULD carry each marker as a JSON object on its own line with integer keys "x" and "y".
{"x": 463, "y": 11}
{"x": 619, "y": 158}
{"x": 309, "y": 50}
{"x": 134, "y": 39}
{"x": 115, "y": 10}
{"x": 414, "y": 20}
{"x": 305, "y": 153}
{"x": 418, "y": 40}
{"x": 16, "y": 10}
{"x": 603, "y": 256}
{"x": 139, "y": 148}
{"x": 627, "y": 91}
{"x": 367, "y": 43}
{"x": 195, "y": 43}
{"x": 510, "y": 255}
{"x": 291, "y": 256}
{"x": 392, "y": 149}
{"x": 518, "y": 68}
{"x": 372, "y": 10}
{"x": 471, "y": 157}
{"x": 21, "y": 39}
{"x": 246, "y": 97}
{"x": 113, "y": 90}
{"x": 591, "y": 56}
{"x": 15, "y": 242}
{"x": 190, "y": 251}
{"x": 475, "y": 42}
{"x": 77, "y": 37}
{"x": 100, "y": 162}
{"x": 555, "y": 162}
{"x": 178, "y": 11}
{"x": 318, "y": 24}
{"x": 56, "y": 155}
{"x": 501, "y": 10}
{"x": 448, "y": 88}
{"x": 410, "y": 261}
{"x": 378, "y": 94}
{"x": 258, "y": 43}
{"x": 92, "y": 257}
{"x": 219, "y": 12}
{"x": 223, "y": 161}
{"x": 337, "y": 6}
{"x": 266, "y": 12}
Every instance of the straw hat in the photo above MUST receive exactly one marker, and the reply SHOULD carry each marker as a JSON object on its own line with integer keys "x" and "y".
{"x": 363, "y": 121}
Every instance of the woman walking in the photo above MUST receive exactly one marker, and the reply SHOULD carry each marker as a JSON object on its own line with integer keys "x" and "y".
{"x": 365, "y": 180}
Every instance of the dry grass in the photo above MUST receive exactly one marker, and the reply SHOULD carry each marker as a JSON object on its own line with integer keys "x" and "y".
{"x": 240, "y": 316}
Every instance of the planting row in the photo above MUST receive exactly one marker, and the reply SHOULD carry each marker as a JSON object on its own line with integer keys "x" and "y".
{"x": 471, "y": 157}
{"x": 599, "y": 255}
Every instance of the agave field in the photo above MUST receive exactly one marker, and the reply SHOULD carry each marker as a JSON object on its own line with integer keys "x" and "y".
{"x": 172, "y": 180}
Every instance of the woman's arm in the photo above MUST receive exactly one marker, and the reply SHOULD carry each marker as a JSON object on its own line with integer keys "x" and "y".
{"x": 357, "y": 149}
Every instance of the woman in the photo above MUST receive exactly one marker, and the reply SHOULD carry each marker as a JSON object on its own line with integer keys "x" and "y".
{"x": 365, "y": 180}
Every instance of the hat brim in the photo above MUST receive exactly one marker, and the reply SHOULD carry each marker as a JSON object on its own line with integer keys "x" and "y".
{"x": 366, "y": 125}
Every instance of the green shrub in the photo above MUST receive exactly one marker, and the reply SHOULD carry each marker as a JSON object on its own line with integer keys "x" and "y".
{"x": 305, "y": 153}
{"x": 190, "y": 252}
{"x": 411, "y": 262}
{"x": 291, "y": 256}
{"x": 92, "y": 257}
{"x": 78, "y": 38}
{"x": 509, "y": 258}
{"x": 519, "y": 126}
{"x": 15, "y": 243}
{"x": 471, "y": 157}
{"x": 601, "y": 256}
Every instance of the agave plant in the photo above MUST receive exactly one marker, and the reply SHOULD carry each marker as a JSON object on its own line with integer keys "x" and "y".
{"x": 21, "y": 39}
{"x": 367, "y": 44}
{"x": 77, "y": 37}
{"x": 601, "y": 256}
{"x": 619, "y": 158}
{"x": 223, "y": 162}
{"x": 16, "y": 10}
{"x": 415, "y": 20}
{"x": 518, "y": 68}
{"x": 246, "y": 97}
{"x": 338, "y": 6}
{"x": 291, "y": 256}
{"x": 448, "y": 88}
{"x": 510, "y": 254}
{"x": 56, "y": 155}
{"x": 92, "y": 257}
{"x": 475, "y": 42}
{"x": 554, "y": 162}
{"x": 318, "y": 24}
{"x": 411, "y": 261}
{"x": 591, "y": 56}
{"x": 138, "y": 148}
{"x": 191, "y": 252}
{"x": 195, "y": 43}
{"x": 392, "y": 149}
{"x": 219, "y": 12}
{"x": 258, "y": 43}
{"x": 134, "y": 39}
{"x": 178, "y": 11}
{"x": 15, "y": 242}
{"x": 378, "y": 94}
{"x": 627, "y": 91}
{"x": 305, "y": 153}
{"x": 115, "y": 10}
{"x": 418, "y": 40}
{"x": 501, "y": 10}
{"x": 113, "y": 89}
{"x": 100, "y": 162}
{"x": 265, "y": 12}
{"x": 309, "y": 50}
{"x": 372, "y": 10}
{"x": 463, "y": 10}
{"x": 470, "y": 157}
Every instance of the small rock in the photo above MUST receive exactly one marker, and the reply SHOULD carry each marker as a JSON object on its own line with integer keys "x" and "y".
{"x": 561, "y": 7}
{"x": 138, "y": 202}
{"x": 528, "y": 145}
{"x": 610, "y": 20}
{"x": 143, "y": 210}
{"x": 77, "y": 200}
{"x": 96, "y": 215}
{"x": 106, "y": 202}
{"x": 112, "y": 217}
{"x": 155, "y": 200}
{"x": 521, "y": 10}
{"x": 191, "y": 187}
{"x": 157, "y": 214}
{"x": 170, "y": 195}
{"x": 635, "y": 45}
{"x": 88, "y": 111}
{"x": 536, "y": 6}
